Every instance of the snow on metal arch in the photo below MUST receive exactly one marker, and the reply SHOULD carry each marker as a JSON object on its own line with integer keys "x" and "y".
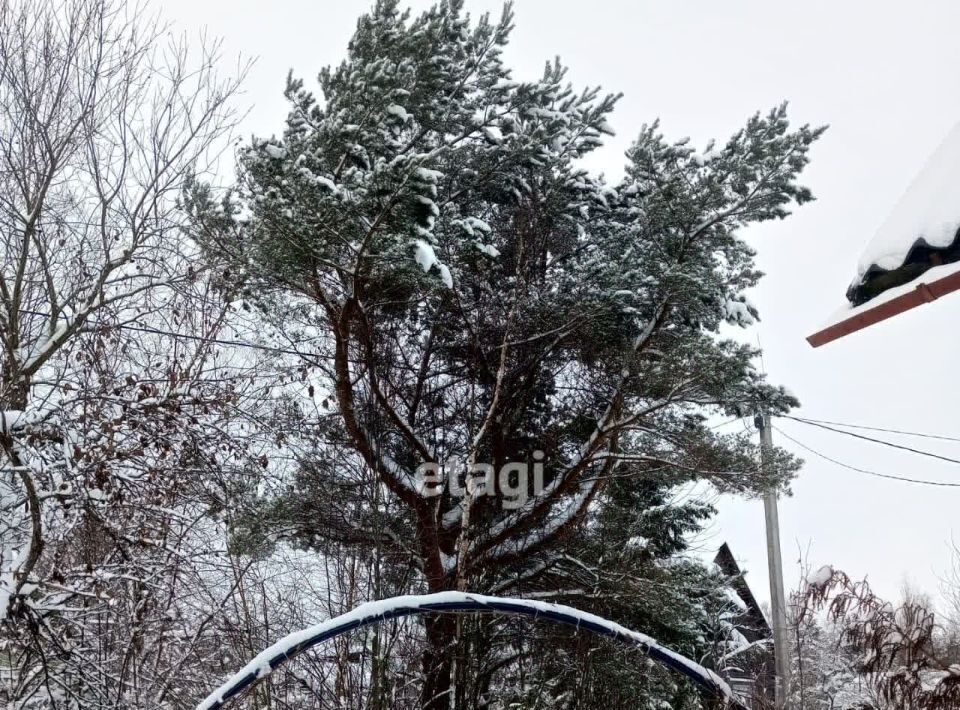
{"x": 457, "y": 602}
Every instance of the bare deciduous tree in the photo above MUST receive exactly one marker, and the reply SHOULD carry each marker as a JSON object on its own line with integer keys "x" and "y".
{"x": 104, "y": 118}
{"x": 897, "y": 646}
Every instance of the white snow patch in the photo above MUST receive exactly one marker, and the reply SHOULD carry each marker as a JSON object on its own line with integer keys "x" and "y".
{"x": 398, "y": 111}
{"x": 738, "y": 312}
{"x": 426, "y": 259}
{"x": 605, "y": 127}
{"x": 928, "y": 210}
{"x": 492, "y": 134}
{"x": 472, "y": 225}
{"x": 431, "y": 205}
{"x": 445, "y": 275}
{"x": 11, "y": 419}
{"x": 424, "y": 255}
{"x": 820, "y": 577}
{"x": 274, "y": 151}
{"x": 488, "y": 249}
{"x": 428, "y": 175}
{"x": 320, "y": 180}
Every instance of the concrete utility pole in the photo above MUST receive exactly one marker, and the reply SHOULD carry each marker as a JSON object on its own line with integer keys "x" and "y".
{"x": 778, "y": 601}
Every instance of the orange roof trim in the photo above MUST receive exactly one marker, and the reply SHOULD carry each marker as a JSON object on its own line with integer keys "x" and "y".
{"x": 933, "y": 284}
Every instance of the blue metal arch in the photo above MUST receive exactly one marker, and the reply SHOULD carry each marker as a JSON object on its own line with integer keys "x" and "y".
{"x": 470, "y": 603}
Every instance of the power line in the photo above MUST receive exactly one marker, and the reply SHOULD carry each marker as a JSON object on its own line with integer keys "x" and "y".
{"x": 823, "y": 424}
{"x": 902, "y": 479}
{"x": 902, "y": 432}
{"x": 220, "y": 341}
{"x": 723, "y": 424}
{"x": 883, "y": 442}
{"x": 811, "y": 422}
{"x": 199, "y": 338}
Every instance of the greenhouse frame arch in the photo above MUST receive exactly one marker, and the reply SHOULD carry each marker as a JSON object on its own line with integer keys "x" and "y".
{"x": 458, "y": 602}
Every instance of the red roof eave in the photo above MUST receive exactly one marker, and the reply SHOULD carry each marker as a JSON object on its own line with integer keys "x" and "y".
{"x": 867, "y": 315}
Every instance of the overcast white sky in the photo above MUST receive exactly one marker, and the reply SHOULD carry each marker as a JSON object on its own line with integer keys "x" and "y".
{"x": 884, "y": 75}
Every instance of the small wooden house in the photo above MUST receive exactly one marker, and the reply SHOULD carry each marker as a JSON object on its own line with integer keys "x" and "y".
{"x": 751, "y": 673}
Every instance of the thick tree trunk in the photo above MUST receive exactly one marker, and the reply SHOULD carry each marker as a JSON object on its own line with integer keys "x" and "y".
{"x": 438, "y": 663}
{"x": 14, "y": 390}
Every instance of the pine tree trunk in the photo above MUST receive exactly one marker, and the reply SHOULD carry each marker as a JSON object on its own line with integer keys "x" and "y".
{"x": 438, "y": 663}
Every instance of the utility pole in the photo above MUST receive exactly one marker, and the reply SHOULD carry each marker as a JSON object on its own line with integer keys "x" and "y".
{"x": 778, "y": 602}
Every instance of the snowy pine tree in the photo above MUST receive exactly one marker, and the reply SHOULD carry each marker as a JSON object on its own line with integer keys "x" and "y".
{"x": 425, "y": 234}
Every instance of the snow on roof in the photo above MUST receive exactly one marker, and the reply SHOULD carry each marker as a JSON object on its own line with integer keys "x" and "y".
{"x": 926, "y": 217}
{"x": 927, "y": 213}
